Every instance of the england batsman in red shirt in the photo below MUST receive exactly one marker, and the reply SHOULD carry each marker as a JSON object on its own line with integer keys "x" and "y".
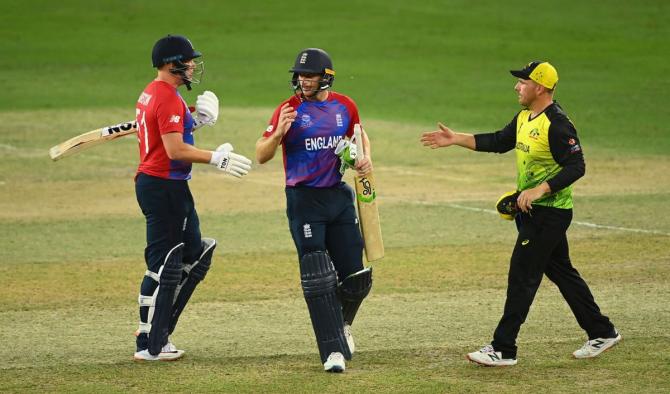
{"x": 176, "y": 255}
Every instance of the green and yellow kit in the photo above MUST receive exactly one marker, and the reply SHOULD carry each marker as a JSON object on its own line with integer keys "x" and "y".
{"x": 547, "y": 149}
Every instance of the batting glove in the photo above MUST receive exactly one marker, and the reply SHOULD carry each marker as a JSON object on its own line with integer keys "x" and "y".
{"x": 206, "y": 110}
{"x": 231, "y": 163}
{"x": 347, "y": 151}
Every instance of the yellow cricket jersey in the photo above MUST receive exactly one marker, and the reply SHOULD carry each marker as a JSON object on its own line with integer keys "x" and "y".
{"x": 547, "y": 149}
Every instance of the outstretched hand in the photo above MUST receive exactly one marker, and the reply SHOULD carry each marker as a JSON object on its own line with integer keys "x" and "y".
{"x": 439, "y": 138}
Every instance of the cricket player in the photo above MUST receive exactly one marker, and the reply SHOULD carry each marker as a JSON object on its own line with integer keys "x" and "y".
{"x": 177, "y": 257}
{"x": 309, "y": 126}
{"x": 549, "y": 160}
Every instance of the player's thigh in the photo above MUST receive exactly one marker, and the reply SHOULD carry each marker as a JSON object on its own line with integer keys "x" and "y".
{"x": 192, "y": 237}
{"x": 345, "y": 243}
{"x": 307, "y": 236}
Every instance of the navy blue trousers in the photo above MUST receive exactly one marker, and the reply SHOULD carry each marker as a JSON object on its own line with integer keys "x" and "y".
{"x": 171, "y": 218}
{"x": 324, "y": 219}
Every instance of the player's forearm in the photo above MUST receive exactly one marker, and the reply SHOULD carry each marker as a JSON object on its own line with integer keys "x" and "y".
{"x": 465, "y": 140}
{"x": 266, "y": 147}
{"x": 189, "y": 153}
{"x": 177, "y": 149}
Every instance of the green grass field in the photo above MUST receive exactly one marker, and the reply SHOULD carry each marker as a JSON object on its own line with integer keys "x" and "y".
{"x": 72, "y": 236}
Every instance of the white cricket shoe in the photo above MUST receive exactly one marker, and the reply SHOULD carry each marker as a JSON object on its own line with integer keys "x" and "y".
{"x": 169, "y": 352}
{"x": 144, "y": 355}
{"x": 594, "y": 347}
{"x": 489, "y": 357}
{"x": 350, "y": 338}
{"x": 335, "y": 363}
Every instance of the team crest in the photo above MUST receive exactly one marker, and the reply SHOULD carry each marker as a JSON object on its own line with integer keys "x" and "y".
{"x": 534, "y": 134}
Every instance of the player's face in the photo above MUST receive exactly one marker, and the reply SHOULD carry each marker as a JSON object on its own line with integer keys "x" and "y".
{"x": 190, "y": 66}
{"x": 309, "y": 84}
{"x": 526, "y": 91}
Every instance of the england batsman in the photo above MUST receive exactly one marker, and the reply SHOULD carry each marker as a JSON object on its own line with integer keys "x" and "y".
{"x": 549, "y": 160}
{"x": 176, "y": 256}
{"x": 309, "y": 125}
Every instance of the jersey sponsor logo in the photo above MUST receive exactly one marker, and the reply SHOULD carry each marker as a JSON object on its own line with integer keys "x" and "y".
{"x": 338, "y": 120}
{"x": 318, "y": 143}
{"x": 175, "y": 119}
{"x": 305, "y": 121}
{"x": 523, "y": 147}
{"x": 534, "y": 134}
{"x": 270, "y": 128}
{"x": 144, "y": 99}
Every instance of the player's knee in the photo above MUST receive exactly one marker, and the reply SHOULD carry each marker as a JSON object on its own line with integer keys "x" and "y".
{"x": 317, "y": 274}
{"x": 353, "y": 290}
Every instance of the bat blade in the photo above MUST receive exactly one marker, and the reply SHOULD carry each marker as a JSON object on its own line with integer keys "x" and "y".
{"x": 368, "y": 214}
{"x": 91, "y": 139}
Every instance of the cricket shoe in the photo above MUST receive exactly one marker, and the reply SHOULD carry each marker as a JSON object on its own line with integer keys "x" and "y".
{"x": 350, "y": 338}
{"x": 335, "y": 363}
{"x": 487, "y": 356}
{"x": 592, "y": 348}
{"x": 169, "y": 352}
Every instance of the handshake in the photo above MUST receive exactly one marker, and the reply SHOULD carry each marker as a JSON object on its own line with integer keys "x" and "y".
{"x": 231, "y": 163}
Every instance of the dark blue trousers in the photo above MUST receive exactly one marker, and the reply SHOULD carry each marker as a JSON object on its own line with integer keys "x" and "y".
{"x": 324, "y": 219}
{"x": 171, "y": 219}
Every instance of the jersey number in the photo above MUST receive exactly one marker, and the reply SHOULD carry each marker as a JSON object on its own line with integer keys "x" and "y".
{"x": 142, "y": 129}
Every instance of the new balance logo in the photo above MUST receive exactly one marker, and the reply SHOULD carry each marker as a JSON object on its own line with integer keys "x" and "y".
{"x": 175, "y": 119}
{"x": 597, "y": 343}
{"x": 307, "y": 230}
{"x": 494, "y": 357}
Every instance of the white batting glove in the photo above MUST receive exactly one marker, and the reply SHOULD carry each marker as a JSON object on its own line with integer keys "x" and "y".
{"x": 231, "y": 163}
{"x": 206, "y": 109}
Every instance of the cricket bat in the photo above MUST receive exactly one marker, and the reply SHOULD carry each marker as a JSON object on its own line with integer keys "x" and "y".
{"x": 368, "y": 214}
{"x": 92, "y": 138}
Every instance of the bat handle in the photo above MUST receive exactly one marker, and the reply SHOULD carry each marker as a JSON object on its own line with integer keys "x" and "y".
{"x": 359, "y": 141}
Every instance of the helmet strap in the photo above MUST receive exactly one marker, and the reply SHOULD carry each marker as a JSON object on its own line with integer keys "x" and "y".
{"x": 180, "y": 70}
